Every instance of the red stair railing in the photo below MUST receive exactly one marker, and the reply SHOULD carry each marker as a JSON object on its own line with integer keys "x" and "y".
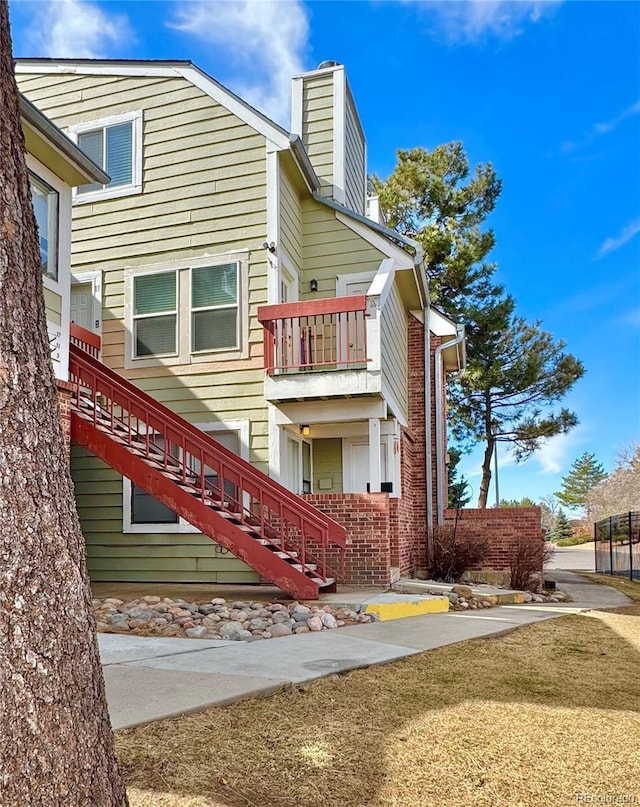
{"x": 177, "y": 448}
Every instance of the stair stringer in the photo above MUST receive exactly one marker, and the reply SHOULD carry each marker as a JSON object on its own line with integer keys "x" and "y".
{"x": 205, "y": 519}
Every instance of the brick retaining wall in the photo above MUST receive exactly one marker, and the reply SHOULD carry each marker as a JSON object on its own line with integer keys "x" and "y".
{"x": 502, "y": 527}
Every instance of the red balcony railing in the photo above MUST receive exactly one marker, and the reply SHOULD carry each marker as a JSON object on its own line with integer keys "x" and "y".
{"x": 315, "y": 335}
{"x": 86, "y": 340}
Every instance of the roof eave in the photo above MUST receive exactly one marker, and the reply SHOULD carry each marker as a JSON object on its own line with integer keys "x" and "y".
{"x": 48, "y": 130}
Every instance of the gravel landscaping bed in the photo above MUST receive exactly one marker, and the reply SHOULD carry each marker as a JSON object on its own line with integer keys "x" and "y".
{"x": 219, "y": 618}
{"x": 247, "y": 620}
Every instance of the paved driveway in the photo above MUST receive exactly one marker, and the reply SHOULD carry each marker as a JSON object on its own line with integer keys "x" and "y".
{"x": 581, "y": 558}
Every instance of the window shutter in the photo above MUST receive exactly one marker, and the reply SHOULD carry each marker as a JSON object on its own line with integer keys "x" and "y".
{"x": 119, "y": 160}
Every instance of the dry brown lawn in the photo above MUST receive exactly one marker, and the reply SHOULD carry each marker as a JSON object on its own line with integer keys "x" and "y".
{"x": 530, "y": 718}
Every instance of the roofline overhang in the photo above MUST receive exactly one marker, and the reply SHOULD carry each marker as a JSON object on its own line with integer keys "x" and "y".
{"x": 161, "y": 68}
{"x": 49, "y": 131}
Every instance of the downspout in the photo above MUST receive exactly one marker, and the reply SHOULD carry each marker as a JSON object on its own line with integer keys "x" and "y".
{"x": 440, "y": 422}
{"x": 428, "y": 432}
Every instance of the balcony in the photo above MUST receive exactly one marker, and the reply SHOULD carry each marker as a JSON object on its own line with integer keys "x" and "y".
{"x": 321, "y": 348}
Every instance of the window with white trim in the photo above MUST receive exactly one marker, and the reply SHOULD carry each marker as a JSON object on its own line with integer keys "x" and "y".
{"x": 46, "y": 204}
{"x": 143, "y": 513}
{"x": 191, "y": 313}
{"x": 115, "y": 144}
{"x": 214, "y": 307}
{"x": 155, "y": 315}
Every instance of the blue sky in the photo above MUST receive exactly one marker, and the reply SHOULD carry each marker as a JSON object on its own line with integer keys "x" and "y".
{"x": 549, "y": 92}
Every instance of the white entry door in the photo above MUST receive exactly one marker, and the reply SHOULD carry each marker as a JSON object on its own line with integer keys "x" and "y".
{"x": 298, "y": 460}
{"x": 356, "y": 454}
{"x": 352, "y": 286}
{"x": 82, "y": 305}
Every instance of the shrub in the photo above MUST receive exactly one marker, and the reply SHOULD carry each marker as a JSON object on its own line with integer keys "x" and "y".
{"x": 528, "y": 558}
{"x": 455, "y": 550}
{"x": 575, "y": 540}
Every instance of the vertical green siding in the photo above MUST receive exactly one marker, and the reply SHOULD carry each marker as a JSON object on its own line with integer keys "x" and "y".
{"x": 327, "y": 464}
{"x": 354, "y": 161}
{"x": 393, "y": 348}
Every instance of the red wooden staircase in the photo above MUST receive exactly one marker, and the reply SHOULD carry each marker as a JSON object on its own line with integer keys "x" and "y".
{"x": 271, "y": 529}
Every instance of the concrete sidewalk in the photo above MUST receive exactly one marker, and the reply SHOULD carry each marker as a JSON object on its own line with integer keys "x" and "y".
{"x": 152, "y": 678}
{"x": 581, "y": 558}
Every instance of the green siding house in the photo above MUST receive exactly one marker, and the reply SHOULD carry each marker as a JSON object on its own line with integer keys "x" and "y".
{"x": 231, "y": 271}
{"x": 56, "y": 166}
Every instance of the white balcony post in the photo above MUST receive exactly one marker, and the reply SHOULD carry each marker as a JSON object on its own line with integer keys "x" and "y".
{"x": 373, "y": 333}
{"x": 374, "y": 455}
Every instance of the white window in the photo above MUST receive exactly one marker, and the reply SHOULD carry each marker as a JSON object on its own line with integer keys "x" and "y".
{"x": 214, "y": 307}
{"x": 144, "y": 514}
{"x": 115, "y": 144}
{"x": 192, "y": 312}
{"x": 155, "y": 315}
{"x": 46, "y": 204}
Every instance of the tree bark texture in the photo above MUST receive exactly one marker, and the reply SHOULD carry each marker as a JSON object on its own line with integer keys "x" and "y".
{"x": 486, "y": 474}
{"x": 488, "y": 454}
{"x": 56, "y": 743}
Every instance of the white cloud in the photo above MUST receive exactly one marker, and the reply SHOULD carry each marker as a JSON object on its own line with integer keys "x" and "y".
{"x": 264, "y": 40}
{"x": 611, "y": 244}
{"x": 600, "y": 129}
{"x": 76, "y": 29}
{"x": 554, "y": 454}
{"x": 476, "y": 20}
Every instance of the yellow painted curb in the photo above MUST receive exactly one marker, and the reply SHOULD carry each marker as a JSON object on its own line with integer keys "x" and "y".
{"x": 402, "y": 609}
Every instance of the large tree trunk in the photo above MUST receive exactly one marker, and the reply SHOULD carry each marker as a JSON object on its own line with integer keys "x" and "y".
{"x": 486, "y": 473}
{"x": 488, "y": 454}
{"x": 55, "y": 735}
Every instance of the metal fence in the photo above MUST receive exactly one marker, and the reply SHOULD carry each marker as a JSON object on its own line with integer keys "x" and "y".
{"x": 617, "y": 541}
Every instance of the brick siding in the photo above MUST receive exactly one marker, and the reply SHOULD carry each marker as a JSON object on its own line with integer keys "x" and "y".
{"x": 502, "y": 527}
{"x": 65, "y": 391}
{"x": 366, "y": 518}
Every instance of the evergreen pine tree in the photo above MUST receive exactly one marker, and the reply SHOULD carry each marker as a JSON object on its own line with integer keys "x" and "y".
{"x": 584, "y": 474}
{"x": 562, "y": 528}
